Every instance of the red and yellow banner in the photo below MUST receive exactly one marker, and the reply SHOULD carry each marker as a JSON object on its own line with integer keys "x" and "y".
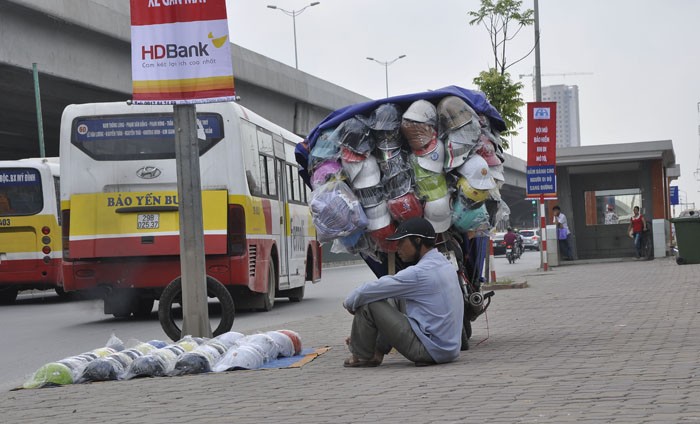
{"x": 180, "y": 52}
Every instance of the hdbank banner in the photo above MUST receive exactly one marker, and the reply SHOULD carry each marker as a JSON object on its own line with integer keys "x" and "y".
{"x": 180, "y": 52}
{"x": 541, "y": 148}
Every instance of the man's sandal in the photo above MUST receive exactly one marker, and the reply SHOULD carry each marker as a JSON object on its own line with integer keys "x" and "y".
{"x": 353, "y": 362}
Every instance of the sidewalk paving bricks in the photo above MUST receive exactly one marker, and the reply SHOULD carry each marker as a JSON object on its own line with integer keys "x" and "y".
{"x": 595, "y": 343}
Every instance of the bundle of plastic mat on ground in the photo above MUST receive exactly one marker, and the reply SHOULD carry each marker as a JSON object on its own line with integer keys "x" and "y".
{"x": 190, "y": 355}
{"x": 438, "y": 159}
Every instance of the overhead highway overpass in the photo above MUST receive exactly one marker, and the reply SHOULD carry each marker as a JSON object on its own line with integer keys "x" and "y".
{"x": 83, "y": 53}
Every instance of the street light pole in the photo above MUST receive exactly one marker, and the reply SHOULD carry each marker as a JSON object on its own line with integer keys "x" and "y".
{"x": 386, "y": 69}
{"x": 294, "y": 14}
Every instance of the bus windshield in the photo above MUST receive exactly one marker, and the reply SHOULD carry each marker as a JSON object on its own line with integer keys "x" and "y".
{"x": 20, "y": 192}
{"x": 143, "y": 137}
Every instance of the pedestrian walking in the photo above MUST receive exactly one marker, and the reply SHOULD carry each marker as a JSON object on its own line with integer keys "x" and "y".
{"x": 637, "y": 227}
{"x": 563, "y": 233}
{"x": 430, "y": 330}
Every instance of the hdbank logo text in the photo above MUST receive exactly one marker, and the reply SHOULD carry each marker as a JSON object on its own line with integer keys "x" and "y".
{"x": 172, "y": 51}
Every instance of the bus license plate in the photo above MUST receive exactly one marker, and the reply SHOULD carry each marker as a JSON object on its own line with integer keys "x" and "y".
{"x": 148, "y": 221}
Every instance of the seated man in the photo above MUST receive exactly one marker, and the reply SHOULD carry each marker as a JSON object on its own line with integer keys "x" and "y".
{"x": 430, "y": 330}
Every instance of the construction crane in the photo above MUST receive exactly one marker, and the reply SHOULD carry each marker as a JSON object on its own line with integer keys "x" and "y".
{"x": 534, "y": 95}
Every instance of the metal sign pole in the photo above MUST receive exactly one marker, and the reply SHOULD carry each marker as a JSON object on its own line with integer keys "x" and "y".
{"x": 195, "y": 311}
{"x": 543, "y": 235}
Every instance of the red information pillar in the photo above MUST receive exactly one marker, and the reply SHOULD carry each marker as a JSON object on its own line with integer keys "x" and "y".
{"x": 542, "y": 160}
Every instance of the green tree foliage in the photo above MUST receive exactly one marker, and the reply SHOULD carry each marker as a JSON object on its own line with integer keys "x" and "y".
{"x": 503, "y": 20}
{"x": 504, "y": 95}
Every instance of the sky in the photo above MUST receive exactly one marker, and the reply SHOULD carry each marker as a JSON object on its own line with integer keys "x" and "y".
{"x": 640, "y": 58}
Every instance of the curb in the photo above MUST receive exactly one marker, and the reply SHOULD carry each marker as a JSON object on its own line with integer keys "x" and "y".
{"x": 336, "y": 264}
{"x": 503, "y": 286}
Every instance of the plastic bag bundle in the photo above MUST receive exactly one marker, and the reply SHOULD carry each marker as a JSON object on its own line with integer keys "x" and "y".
{"x": 405, "y": 207}
{"x": 295, "y": 338}
{"x": 264, "y": 343}
{"x": 245, "y": 357}
{"x": 385, "y": 122}
{"x": 114, "y": 366}
{"x": 283, "y": 342}
{"x": 355, "y": 135}
{"x": 355, "y": 243}
{"x": 466, "y": 218}
{"x": 325, "y": 171}
{"x": 393, "y": 164}
{"x": 326, "y": 147}
{"x": 69, "y": 370}
{"x": 158, "y": 344}
{"x": 201, "y": 359}
{"x": 336, "y": 211}
{"x": 160, "y": 362}
{"x": 229, "y": 338}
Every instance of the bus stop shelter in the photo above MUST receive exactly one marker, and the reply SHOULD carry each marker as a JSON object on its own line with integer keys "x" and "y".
{"x": 592, "y": 180}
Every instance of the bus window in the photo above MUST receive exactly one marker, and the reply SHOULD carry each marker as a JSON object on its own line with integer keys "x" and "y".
{"x": 268, "y": 176}
{"x": 292, "y": 191}
{"x": 20, "y": 192}
{"x": 138, "y": 137}
{"x": 251, "y": 158}
{"x": 265, "y": 142}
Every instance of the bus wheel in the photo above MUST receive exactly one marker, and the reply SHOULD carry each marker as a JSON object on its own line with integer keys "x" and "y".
{"x": 173, "y": 295}
{"x": 268, "y": 299}
{"x": 8, "y": 296}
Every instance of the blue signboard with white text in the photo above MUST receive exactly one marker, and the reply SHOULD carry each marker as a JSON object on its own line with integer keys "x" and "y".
{"x": 209, "y": 126}
{"x": 674, "y": 195}
{"x": 541, "y": 179}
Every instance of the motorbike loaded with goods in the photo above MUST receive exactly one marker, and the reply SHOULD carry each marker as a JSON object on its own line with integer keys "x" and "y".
{"x": 436, "y": 155}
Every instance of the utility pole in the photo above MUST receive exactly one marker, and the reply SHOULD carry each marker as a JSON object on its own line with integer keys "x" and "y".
{"x": 39, "y": 119}
{"x": 386, "y": 69}
{"x": 538, "y": 79}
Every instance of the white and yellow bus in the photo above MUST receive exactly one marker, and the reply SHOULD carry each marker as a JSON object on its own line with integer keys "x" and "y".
{"x": 119, "y": 205}
{"x": 30, "y": 233}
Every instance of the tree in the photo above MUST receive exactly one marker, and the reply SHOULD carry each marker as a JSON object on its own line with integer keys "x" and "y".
{"x": 498, "y": 17}
{"x": 504, "y": 95}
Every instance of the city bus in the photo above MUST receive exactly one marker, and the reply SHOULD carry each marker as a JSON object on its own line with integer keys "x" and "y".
{"x": 119, "y": 205}
{"x": 30, "y": 232}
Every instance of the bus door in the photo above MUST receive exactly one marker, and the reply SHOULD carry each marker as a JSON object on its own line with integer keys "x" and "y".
{"x": 284, "y": 218}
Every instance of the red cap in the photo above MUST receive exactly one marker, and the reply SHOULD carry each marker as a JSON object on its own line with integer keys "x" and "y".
{"x": 351, "y": 156}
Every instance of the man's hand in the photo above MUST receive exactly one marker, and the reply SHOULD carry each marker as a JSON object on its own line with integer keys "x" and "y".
{"x": 348, "y": 309}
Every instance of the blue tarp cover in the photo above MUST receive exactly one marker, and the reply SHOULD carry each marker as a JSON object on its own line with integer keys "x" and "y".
{"x": 475, "y": 99}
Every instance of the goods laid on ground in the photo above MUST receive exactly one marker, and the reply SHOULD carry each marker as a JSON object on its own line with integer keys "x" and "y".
{"x": 190, "y": 355}
{"x": 437, "y": 154}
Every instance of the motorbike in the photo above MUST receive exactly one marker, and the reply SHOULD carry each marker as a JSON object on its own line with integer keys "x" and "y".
{"x": 475, "y": 301}
{"x": 512, "y": 253}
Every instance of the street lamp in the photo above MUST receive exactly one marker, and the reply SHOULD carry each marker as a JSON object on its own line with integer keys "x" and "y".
{"x": 386, "y": 69}
{"x": 294, "y": 14}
